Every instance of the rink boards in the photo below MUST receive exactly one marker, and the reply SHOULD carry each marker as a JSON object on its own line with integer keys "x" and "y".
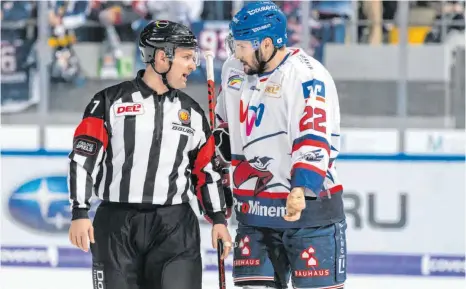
{"x": 405, "y": 212}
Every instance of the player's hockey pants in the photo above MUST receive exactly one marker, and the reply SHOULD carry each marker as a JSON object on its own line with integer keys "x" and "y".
{"x": 146, "y": 247}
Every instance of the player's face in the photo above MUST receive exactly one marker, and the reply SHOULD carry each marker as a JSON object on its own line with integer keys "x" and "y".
{"x": 183, "y": 64}
{"x": 245, "y": 53}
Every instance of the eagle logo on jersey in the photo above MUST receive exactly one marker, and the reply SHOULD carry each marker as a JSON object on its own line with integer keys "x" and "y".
{"x": 254, "y": 168}
{"x": 312, "y": 156}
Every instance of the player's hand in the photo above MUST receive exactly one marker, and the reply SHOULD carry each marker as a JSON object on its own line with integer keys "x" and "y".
{"x": 81, "y": 232}
{"x": 295, "y": 203}
{"x": 220, "y": 231}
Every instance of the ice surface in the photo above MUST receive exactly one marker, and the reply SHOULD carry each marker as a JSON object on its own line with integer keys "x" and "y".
{"x": 46, "y": 278}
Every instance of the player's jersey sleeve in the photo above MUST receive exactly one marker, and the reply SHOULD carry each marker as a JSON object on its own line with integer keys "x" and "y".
{"x": 310, "y": 126}
{"x": 90, "y": 141}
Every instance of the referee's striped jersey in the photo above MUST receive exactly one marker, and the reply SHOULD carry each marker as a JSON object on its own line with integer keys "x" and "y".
{"x": 134, "y": 146}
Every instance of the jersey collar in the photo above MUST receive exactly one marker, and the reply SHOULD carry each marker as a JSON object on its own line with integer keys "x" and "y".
{"x": 146, "y": 91}
{"x": 278, "y": 66}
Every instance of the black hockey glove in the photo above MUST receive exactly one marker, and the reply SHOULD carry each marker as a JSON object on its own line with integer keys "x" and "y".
{"x": 223, "y": 161}
{"x": 222, "y": 144}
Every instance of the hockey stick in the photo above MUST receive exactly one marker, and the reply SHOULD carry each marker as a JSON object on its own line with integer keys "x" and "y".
{"x": 221, "y": 266}
{"x": 209, "y": 58}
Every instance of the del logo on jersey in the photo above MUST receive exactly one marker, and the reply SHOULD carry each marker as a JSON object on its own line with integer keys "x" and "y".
{"x": 128, "y": 108}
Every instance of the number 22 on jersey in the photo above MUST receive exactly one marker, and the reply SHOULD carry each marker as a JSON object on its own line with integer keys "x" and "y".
{"x": 314, "y": 118}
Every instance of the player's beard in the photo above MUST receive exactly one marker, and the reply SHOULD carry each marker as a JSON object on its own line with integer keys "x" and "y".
{"x": 257, "y": 65}
{"x": 253, "y": 68}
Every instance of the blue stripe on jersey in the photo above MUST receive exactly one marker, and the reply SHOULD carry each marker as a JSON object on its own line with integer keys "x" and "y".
{"x": 306, "y": 178}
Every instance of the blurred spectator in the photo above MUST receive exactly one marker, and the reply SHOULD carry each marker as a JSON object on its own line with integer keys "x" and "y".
{"x": 327, "y": 22}
{"x": 217, "y": 10}
{"x": 185, "y": 12}
{"x": 16, "y": 10}
{"x": 180, "y": 11}
{"x": 450, "y": 14}
{"x": 333, "y": 16}
{"x": 116, "y": 17}
{"x": 373, "y": 10}
{"x": 64, "y": 18}
{"x": 380, "y": 16}
{"x": 116, "y": 14}
{"x": 16, "y": 45}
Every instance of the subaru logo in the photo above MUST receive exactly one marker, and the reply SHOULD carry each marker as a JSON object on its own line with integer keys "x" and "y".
{"x": 43, "y": 204}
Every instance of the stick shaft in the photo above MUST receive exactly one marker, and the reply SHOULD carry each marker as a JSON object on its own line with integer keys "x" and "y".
{"x": 210, "y": 87}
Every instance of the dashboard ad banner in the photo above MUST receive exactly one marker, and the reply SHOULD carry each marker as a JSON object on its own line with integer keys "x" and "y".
{"x": 404, "y": 217}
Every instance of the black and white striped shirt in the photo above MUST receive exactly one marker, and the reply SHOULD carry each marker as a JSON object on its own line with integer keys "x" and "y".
{"x": 134, "y": 146}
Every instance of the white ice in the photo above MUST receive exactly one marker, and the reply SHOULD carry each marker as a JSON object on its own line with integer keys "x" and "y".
{"x": 33, "y": 278}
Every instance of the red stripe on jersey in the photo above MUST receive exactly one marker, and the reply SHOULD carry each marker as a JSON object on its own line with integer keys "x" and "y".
{"x": 93, "y": 127}
{"x": 310, "y": 142}
{"x": 281, "y": 195}
{"x": 267, "y": 195}
{"x": 332, "y": 191}
{"x": 295, "y": 52}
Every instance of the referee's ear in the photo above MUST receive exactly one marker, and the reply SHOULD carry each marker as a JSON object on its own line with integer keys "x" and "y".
{"x": 162, "y": 62}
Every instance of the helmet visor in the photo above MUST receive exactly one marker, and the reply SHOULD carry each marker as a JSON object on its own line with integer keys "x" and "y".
{"x": 230, "y": 45}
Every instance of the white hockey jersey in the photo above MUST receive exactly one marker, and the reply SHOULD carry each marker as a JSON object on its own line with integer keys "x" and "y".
{"x": 284, "y": 132}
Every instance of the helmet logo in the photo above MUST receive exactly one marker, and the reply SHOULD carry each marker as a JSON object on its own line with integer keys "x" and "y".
{"x": 261, "y": 27}
{"x": 161, "y": 23}
{"x": 261, "y": 9}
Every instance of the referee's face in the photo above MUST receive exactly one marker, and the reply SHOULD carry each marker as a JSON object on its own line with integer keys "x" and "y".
{"x": 183, "y": 64}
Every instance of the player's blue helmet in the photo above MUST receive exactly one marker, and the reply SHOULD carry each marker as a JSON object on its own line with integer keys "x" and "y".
{"x": 257, "y": 21}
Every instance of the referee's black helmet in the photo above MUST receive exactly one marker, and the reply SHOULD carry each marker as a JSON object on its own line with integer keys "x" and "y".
{"x": 167, "y": 36}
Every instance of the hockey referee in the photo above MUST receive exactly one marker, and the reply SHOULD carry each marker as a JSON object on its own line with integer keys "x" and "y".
{"x": 141, "y": 146}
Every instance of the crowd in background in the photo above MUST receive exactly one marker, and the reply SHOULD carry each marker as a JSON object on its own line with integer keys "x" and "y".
{"x": 376, "y": 18}
{"x": 112, "y": 22}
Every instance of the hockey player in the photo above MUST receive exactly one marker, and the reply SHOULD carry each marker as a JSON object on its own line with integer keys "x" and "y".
{"x": 280, "y": 107}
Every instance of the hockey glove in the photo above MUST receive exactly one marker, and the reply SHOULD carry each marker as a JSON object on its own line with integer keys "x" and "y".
{"x": 223, "y": 161}
{"x": 222, "y": 144}
{"x": 227, "y": 191}
{"x": 224, "y": 171}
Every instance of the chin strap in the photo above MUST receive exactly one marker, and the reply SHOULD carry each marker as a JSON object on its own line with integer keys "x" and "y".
{"x": 263, "y": 63}
{"x": 163, "y": 75}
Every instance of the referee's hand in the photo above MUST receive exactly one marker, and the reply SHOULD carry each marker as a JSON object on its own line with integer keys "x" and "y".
{"x": 81, "y": 232}
{"x": 220, "y": 231}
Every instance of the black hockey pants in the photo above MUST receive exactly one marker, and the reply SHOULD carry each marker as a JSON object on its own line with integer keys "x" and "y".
{"x": 146, "y": 247}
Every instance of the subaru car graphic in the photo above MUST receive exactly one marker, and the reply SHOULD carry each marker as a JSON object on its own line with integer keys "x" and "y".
{"x": 43, "y": 204}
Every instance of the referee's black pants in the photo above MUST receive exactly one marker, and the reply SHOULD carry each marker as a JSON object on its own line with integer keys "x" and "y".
{"x": 146, "y": 247}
